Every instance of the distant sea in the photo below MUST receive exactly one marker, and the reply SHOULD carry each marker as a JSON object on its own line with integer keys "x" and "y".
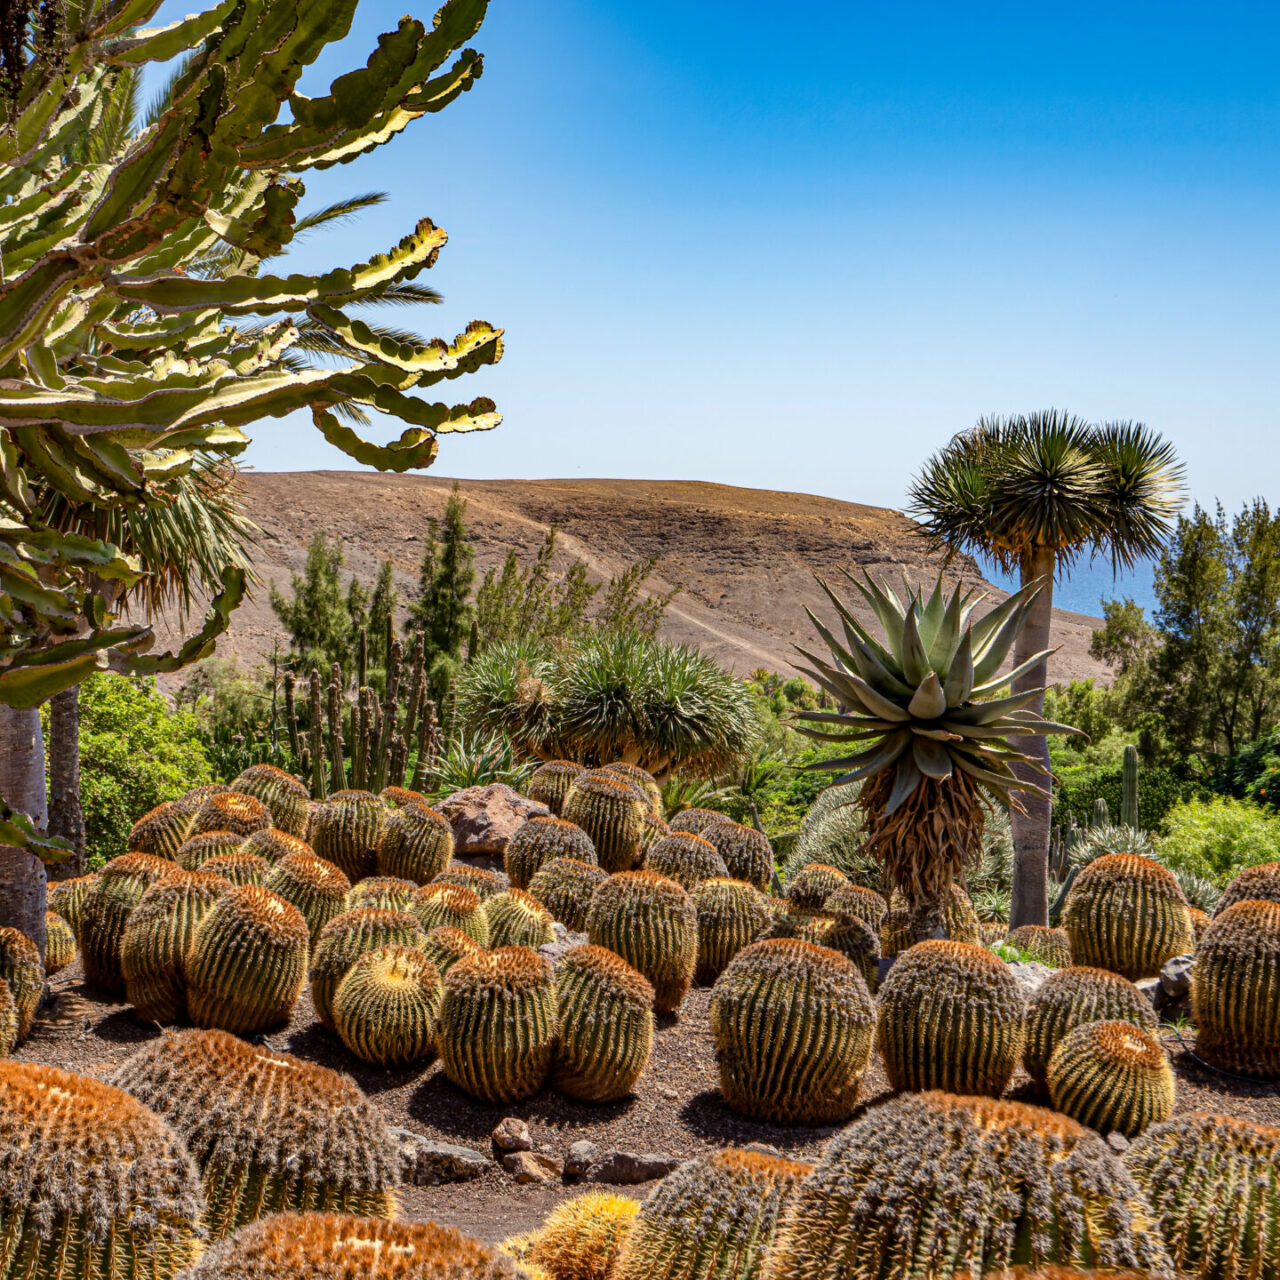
{"x": 1090, "y": 584}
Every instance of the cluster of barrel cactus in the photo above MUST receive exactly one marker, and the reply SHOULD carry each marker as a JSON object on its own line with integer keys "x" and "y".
{"x": 387, "y": 1008}
{"x": 612, "y": 813}
{"x": 345, "y": 939}
{"x": 442, "y": 905}
{"x": 104, "y": 912}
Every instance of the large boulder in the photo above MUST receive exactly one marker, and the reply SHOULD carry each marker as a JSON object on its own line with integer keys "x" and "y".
{"x": 485, "y": 818}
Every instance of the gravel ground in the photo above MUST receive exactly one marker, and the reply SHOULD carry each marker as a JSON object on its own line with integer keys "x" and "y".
{"x": 677, "y": 1108}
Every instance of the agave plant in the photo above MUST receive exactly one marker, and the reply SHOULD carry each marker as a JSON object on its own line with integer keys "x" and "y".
{"x": 938, "y": 746}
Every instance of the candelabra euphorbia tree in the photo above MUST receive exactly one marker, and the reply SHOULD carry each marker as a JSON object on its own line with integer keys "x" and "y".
{"x": 139, "y": 330}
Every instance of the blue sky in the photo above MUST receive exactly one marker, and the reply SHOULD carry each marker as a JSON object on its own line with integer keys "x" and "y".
{"x": 797, "y": 247}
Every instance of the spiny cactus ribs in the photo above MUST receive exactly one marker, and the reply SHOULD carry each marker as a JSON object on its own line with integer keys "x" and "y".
{"x": 160, "y": 831}
{"x": 385, "y": 892}
{"x": 747, "y": 853}
{"x": 451, "y": 906}
{"x": 731, "y": 915}
{"x": 518, "y": 919}
{"x": 564, "y": 886}
{"x": 316, "y": 887}
{"x": 550, "y": 783}
{"x": 91, "y": 1182}
{"x": 285, "y": 797}
{"x": 643, "y": 781}
{"x": 194, "y": 853}
{"x": 59, "y": 943}
{"x": 540, "y": 840}
{"x": 1256, "y": 884}
{"x": 237, "y": 867}
{"x": 274, "y": 845}
{"x": 416, "y": 844}
{"x": 695, "y": 820}
{"x": 346, "y": 829}
{"x": 793, "y": 1025}
{"x": 232, "y": 811}
{"x": 484, "y": 884}
{"x": 269, "y": 1131}
{"x": 23, "y": 973}
{"x": 951, "y": 1017}
{"x": 812, "y": 885}
{"x": 444, "y": 947}
{"x": 687, "y": 859}
{"x": 1047, "y": 946}
{"x": 611, "y": 812}
{"x": 580, "y": 1239}
{"x": 66, "y": 897}
{"x": 388, "y": 1006}
{"x": 105, "y": 909}
{"x": 937, "y": 1185}
{"x": 345, "y": 939}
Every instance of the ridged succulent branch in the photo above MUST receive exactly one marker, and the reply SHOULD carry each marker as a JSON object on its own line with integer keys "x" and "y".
{"x": 747, "y": 853}
{"x": 538, "y": 841}
{"x": 386, "y": 1010}
{"x": 22, "y": 972}
{"x": 687, "y": 859}
{"x": 282, "y": 793}
{"x": 416, "y": 843}
{"x": 731, "y": 915}
{"x": 517, "y": 919}
{"x": 346, "y": 829}
{"x": 650, "y": 922}
{"x": 92, "y": 1183}
{"x": 793, "y": 1025}
{"x": 937, "y": 1185}
{"x": 498, "y": 1023}
{"x": 605, "y": 1025}
{"x": 345, "y": 939}
{"x": 564, "y": 886}
{"x": 951, "y": 1017}
{"x": 269, "y": 1132}
{"x": 611, "y": 813}
{"x": 105, "y": 911}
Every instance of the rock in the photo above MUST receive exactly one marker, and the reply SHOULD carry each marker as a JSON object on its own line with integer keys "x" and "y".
{"x": 763, "y": 1149}
{"x": 1150, "y": 987}
{"x": 666, "y": 1091}
{"x": 626, "y": 1168}
{"x": 565, "y": 941}
{"x": 485, "y": 818}
{"x": 425, "y": 1163}
{"x": 582, "y": 1155}
{"x": 512, "y": 1134}
{"x": 528, "y": 1166}
{"x": 1031, "y": 975}
{"x": 1117, "y": 1141}
{"x": 1175, "y": 976}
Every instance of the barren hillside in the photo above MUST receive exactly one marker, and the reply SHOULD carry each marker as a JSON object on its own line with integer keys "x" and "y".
{"x": 746, "y": 557}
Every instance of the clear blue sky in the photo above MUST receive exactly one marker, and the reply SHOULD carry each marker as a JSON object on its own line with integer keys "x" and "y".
{"x": 799, "y": 246}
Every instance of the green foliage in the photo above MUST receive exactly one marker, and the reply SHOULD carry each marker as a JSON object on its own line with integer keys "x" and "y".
{"x": 528, "y": 603}
{"x": 321, "y": 621}
{"x": 1217, "y": 837}
{"x": 1078, "y": 789}
{"x": 442, "y": 610}
{"x": 382, "y": 608}
{"x": 477, "y": 760}
{"x": 135, "y": 753}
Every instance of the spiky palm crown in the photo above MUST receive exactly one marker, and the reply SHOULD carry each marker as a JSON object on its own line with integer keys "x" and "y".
{"x": 936, "y": 745}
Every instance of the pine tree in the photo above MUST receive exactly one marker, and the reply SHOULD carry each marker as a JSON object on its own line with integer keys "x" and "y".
{"x": 318, "y": 617}
{"x": 443, "y": 610}
{"x": 382, "y": 613}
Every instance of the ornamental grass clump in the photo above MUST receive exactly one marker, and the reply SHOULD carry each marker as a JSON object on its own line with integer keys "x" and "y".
{"x": 611, "y": 812}
{"x": 550, "y": 783}
{"x": 715, "y": 1216}
{"x": 269, "y": 1131}
{"x": 1213, "y": 1189}
{"x": 564, "y": 886}
{"x": 651, "y": 923}
{"x": 1235, "y": 990}
{"x": 1047, "y": 946}
{"x": 540, "y": 840}
{"x": 345, "y": 939}
{"x": 92, "y": 1184}
{"x": 105, "y": 910}
{"x": 498, "y": 1023}
{"x": 346, "y": 828}
{"x": 731, "y": 914}
{"x": 160, "y": 831}
{"x": 747, "y": 853}
{"x": 937, "y": 1185}
{"x": 687, "y": 859}
{"x": 387, "y": 893}
{"x": 416, "y": 844}
{"x": 316, "y": 887}
{"x": 387, "y": 1008}
{"x": 605, "y": 1010}
{"x": 287, "y": 800}
{"x": 1112, "y": 1077}
{"x": 951, "y": 1017}
{"x": 247, "y": 962}
{"x": 454, "y": 907}
{"x": 230, "y": 811}
{"x": 23, "y": 973}
{"x": 518, "y": 919}
{"x": 1070, "y": 998}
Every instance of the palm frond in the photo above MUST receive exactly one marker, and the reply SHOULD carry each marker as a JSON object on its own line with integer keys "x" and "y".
{"x": 340, "y": 211}
{"x": 405, "y": 294}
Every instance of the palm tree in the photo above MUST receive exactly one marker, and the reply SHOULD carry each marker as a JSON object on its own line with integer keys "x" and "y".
{"x": 1034, "y": 494}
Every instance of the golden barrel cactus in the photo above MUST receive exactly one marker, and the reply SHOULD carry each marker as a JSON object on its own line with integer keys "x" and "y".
{"x": 747, "y": 853}
{"x": 387, "y": 893}
{"x": 484, "y": 884}
{"x": 449, "y": 905}
{"x": 316, "y": 887}
{"x": 550, "y": 783}
{"x": 641, "y": 779}
{"x": 59, "y": 943}
{"x": 274, "y": 845}
{"x": 398, "y": 797}
{"x": 564, "y": 886}
{"x": 444, "y": 947}
{"x": 580, "y": 1239}
{"x": 951, "y": 1017}
{"x": 105, "y": 910}
{"x": 857, "y": 900}
{"x": 959, "y": 918}
{"x": 387, "y": 1008}
{"x": 22, "y": 971}
{"x": 345, "y": 939}
{"x": 517, "y": 919}
{"x": 1260, "y": 883}
{"x": 813, "y": 884}
{"x": 731, "y": 915}
{"x": 416, "y": 844}
{"x": 237, "y": 867}
{"x": 160, "y": 831}
{"x": 194, "y": 853}
{"x": 540, "y": 840}
{"x": 695, "y": 820}
{"x": 611, "y": 812}
{"x": 8, "y": 1021}
{"x": 346, "y": 828}
{"x": 286, "y": 799}
{"x": 232, "y": 811}
{"x": 687, "y": 859}
{"x": 66, "y": 897}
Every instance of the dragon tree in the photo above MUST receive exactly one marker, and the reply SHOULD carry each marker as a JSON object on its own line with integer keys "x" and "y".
{"x": 141, "y": 332}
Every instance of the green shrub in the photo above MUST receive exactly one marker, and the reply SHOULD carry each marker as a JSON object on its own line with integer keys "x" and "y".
{"x": 1217, "y": 837}
{"x": 134, "y": 753}
{"x": 1077, "y": 788}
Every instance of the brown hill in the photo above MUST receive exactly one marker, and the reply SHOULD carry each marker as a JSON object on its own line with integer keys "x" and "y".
{"x": 746, "y": 557}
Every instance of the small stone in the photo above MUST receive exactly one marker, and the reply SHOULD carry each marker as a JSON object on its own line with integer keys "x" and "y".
{"x": 582, "y": 1155}
{"x": 1030, "y": 974}
{"x": 1175, "y": 976}
{"x": 425, "y": 1163}
{"x": 667, "y": 1091}
{"x": 626, "y": 1168}
{"x": 528, "y": 1167}
{"x": 564, "y": 941}
{"x": 512, "y": 1134}
{"x": 763, "y": 1149}
{"x": 1117, "y": 1141}
{"x": 1150, "y": 987}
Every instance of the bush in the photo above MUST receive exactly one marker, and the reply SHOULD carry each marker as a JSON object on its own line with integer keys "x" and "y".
{"x": 1215, "y": 838}
{"x": 1076, "y": 789}
{"x": 134, "y": 753}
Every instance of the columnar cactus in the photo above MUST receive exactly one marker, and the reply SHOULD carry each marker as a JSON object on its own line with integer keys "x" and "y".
{"x": 194, "y": 853}
{"x": 387, "y": 893}
{"x": 564, "y": 886}
{"x": 951, "y": 1017}
{"x": 650, "y": 922}
{"x": 387, "y": 1008}
{"x": 316, "y": 887}
{"x": 1212, "y": 1187}
{"x": 793, "y": 1025}
{"x": 91, "y": 1182}
{"x": 611, "y": 812}
{"x": 1129, "y": 789}
{"x": 1070, "y": 998}
{"x": 731, "y": 914}
{"x": 66, "y": 897}
{"x": 747, "y": 852}
{"x": 1259, "y": 884}
{"x": 641, "y": 779}
{"x": 230, "y": 811}
{"x": 416, "y": 844}
{"x": 812, "y": 885}
{"x": 333, "y": 1246}
{"x": 687, "y": 859}
{"x": 538, "y": 841}
{"x": 484, "y": 884}
{"x": 160, "y": 831}
{"x": 238, "y": 867}
{"x": 714, "y": 1216}
{"x": 287, "y": 799}
{"x": 1127, "y": 914}
{"x": 270, "y": 1132}
{"x": 105, "y": 909}
{"x": 157, "y": 940}
{"x": 941, "y": 1186}
{"x": 1111, "y": 1076}
{"x": 580, "y": 1239}
{"x": 247, "y": 963}
{"x": 23, "y": 973}
{"x": 518, "y": 919}
{"x": 498, "y": 1024}
{"x": 695, "y": 820}
{"x": 59, "y": 943}
{"x": 550, "y": 783}
{"x": 1046, "y": 946}
{"x": 1235, "y": 990}
{"x": 605, "y": 1011}
{"x": 345, "y": 939}
{"x": 346, "y": 829}
{"x": 444, "y": 947}
{"x": 451, "y": 906}
{"x": 274, "y": 845}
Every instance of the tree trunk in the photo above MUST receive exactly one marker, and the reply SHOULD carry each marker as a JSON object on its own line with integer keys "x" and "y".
{"x": 66, "y": 818}
{"x": 22, "y": 878}
{"x": 1031, "y": 829}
